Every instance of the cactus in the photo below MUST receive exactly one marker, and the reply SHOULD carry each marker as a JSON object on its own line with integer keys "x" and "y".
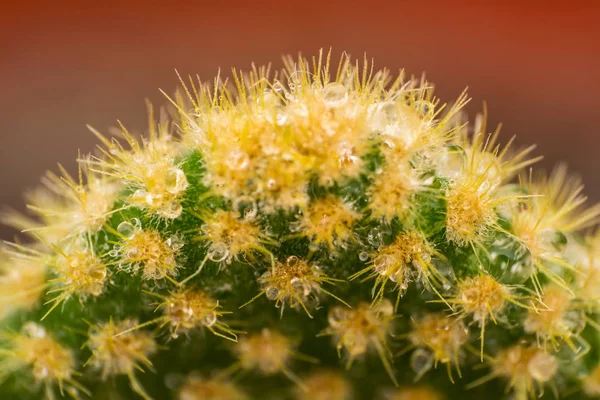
{"x": 317, "y": 233}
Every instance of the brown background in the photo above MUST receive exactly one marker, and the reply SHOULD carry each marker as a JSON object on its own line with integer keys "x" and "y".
{"x": 63, "y": 65}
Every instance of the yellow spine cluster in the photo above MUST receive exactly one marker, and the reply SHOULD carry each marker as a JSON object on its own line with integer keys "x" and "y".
{"x": 324, "y": 385}
{"x": 22, "y": 284}
{"x": 115, "y": 354}
{"x": 438, "y": 339}
{"x": 361, "y": 329}
{"x": 199, "y": 388}
{"x": 50, "y": 363}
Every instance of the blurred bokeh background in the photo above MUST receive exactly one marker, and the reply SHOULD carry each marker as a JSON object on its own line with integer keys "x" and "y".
{"x": 67, "y": 64}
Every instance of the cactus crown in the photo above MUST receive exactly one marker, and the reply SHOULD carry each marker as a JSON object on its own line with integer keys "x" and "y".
{"x": 317, "y": 233}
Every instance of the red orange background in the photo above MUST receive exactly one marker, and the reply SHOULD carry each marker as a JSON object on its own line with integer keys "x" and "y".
{"x": 65, "y": 64}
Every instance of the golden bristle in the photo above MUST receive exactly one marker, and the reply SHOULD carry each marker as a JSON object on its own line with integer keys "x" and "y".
{"x": 77, "y": 271}
{"x": 269, "y": 352}
{"x": 407, "y": 259}
{"x": 585, "y": 255}
{"x": 65, "y": 206}
{"x": 526, "y": 367}
{"x": 189, "y": 309}
{"x": 557, "y": 319}
{"x": 555, "y": 209}
{"x": 484, "y": 298}
{"x": 22, "y": 284}
{"x": 328, "y": 222}
{"x": 362, "y": 328}
{"x": 51, "y": 364}
{"x": 478, "y": 170}
{"x": 124, "y": 354}
{"x": 391, "y": 193}
{"x": 148, "y": 167}
{"x": 232, "y": 237}
{"x": 470, "y": 213}
{"x": 441, "y": 337}
{"x": 146, "y": 251}
{"x": 295, "y": 282}
{"x": 185, "y": 310}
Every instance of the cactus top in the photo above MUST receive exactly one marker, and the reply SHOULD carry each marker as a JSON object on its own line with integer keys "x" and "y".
{"x": 314, "y": 233}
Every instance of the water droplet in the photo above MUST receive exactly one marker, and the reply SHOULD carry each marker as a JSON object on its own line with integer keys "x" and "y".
{"x": 173, "y": 381}
{"x": 269, "y": 100}
{"x": 40, "y": 371}
{"x": 375, "y": 237}
{"x": 209, "y": 319}
{"x": 218, "y": 252}
{"x": 34, "y": 330}
{"x": 272, "y": 293}
{"x": 278, "y": 87}
{"x": 292, "y": 261}
{"x": 299, "y": 286}
{"x": 363, "y": 256}
{"x": 96, "y": 289}
{"x": 132, "y": 253}
{"x": 175, "y": 242}
{"x": 265, "y": 276}
{"x": 335, "y": 95}
{"x": 542, "y": 367}
{"x": 387, "y": 112}
{"x": 126, "y": 229}
{"x": 139, "y": 195}
{"x": 82, "y": 242}
{"x": 171, "y": 210}
{"x": 175, "y": 181}
{"x": 97, "y": 272}
{"x": 425, "y": 108}
{"x": 237, "y": 160}
{"x": 248, "y": 208}
{"x": 453, "y": 161}
{"x": 385, "y": 308}
{"x": 421, "y": 361}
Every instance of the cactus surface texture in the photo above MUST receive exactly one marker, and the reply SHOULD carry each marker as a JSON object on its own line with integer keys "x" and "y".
{"x": 328, "y": 231}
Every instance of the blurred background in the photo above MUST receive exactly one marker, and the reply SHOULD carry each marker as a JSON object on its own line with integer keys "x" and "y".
{"x": 67, "y": 64}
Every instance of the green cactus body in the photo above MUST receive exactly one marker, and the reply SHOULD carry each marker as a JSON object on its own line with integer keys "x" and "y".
{"x": 316, "y": 234}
